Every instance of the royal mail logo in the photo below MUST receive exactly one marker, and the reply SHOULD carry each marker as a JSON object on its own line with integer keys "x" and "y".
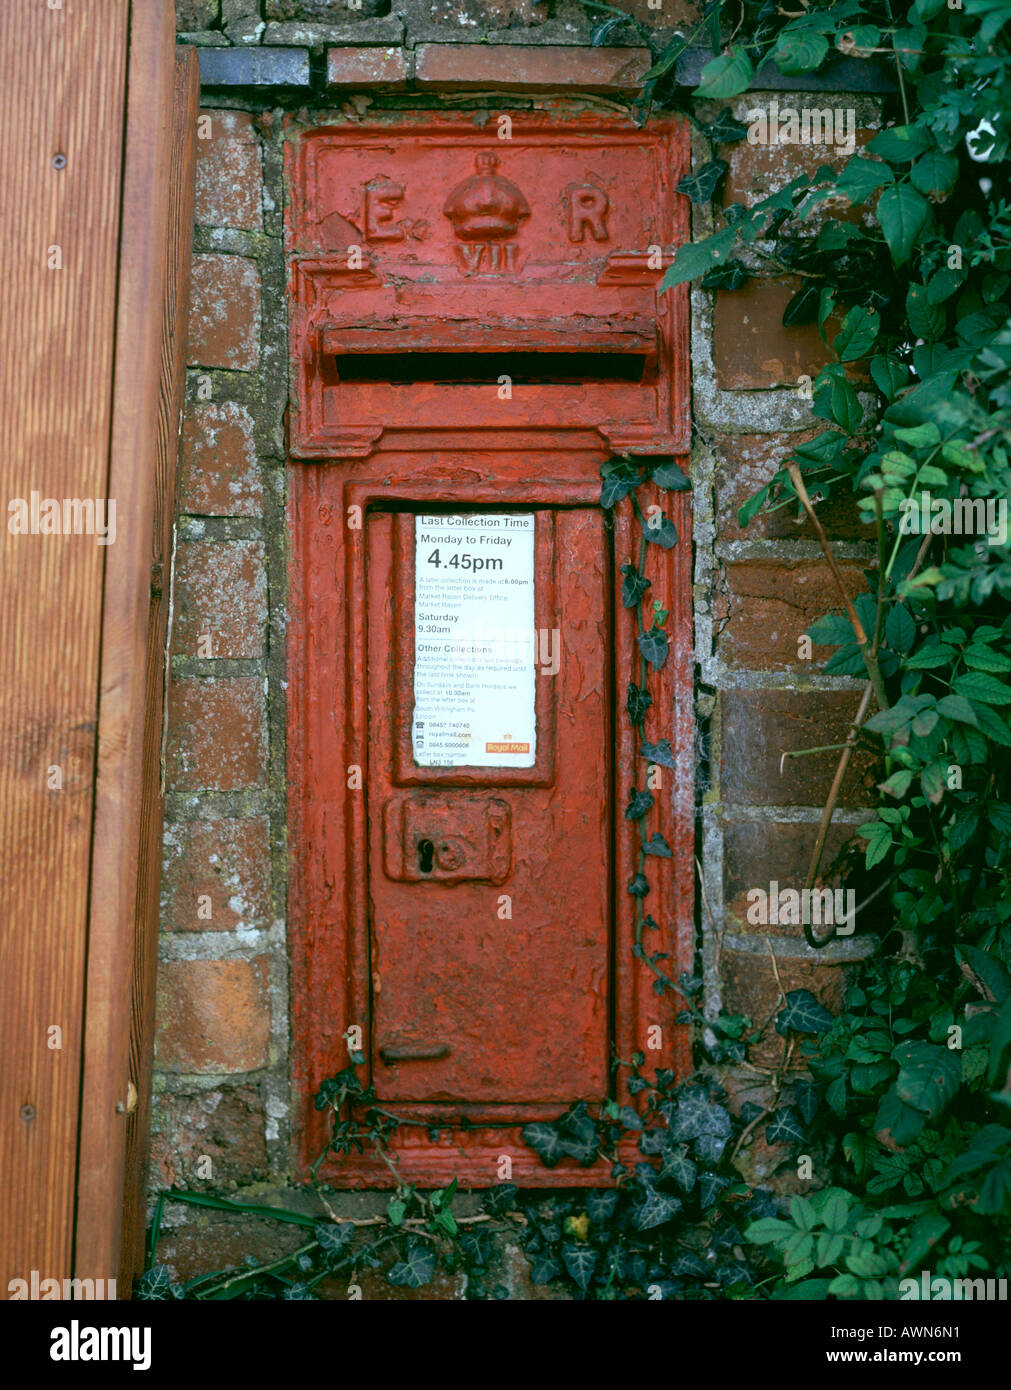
{"x": 507, "y": 748}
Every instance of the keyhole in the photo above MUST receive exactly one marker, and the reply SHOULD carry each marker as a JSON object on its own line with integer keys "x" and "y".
{"x": 426, "y": 854}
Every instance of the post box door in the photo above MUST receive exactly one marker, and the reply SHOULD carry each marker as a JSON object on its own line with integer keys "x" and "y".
{"x": 490, "y": 886}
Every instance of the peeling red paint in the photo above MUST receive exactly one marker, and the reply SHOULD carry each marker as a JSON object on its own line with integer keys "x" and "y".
{"x": 465, "y": 1015}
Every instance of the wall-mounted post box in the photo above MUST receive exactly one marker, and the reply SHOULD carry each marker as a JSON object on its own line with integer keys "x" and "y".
{"x": 475, "y": 328}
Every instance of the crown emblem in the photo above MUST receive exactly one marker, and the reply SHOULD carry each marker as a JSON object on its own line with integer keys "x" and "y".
{"x": 486, "y": 207}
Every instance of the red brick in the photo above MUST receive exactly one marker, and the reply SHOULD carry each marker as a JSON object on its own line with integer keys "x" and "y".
{"x": 224, "y": 326}
{"x": 221, "y": 599}
{"x": 461, "y": 67}
{"x": 751, "y": 348}
{"x": 756, "y": 853}
{"x": 227, "y": 861}
{"x": 219, "y": 475}
{"x": 228, "y": 177}
{"x": 226, "y": 1126}
{"x": 746, "y": 462}
{"x": 771, "y": 604}
{"x": 759, "y": 726}
{"x": 367, "y": 67}
{"x": 748, "y": 986}
{"x": 217, "y": 734}
{"x": 213, "y": 1016}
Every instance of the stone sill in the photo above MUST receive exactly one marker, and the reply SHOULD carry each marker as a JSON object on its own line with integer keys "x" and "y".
{"x": 521, "y": 67}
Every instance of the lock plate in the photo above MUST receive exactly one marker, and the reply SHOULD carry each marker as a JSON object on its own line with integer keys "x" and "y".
{"x": 447, "y": 838}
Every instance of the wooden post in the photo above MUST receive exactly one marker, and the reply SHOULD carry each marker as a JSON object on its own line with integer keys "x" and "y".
{"x": 84, "y": 227}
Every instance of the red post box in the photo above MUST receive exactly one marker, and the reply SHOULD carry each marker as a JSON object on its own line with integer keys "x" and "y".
{"x": 476, "y": 328}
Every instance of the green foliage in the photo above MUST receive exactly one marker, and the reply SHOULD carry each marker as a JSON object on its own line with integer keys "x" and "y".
{"x": 913, "y": 1077}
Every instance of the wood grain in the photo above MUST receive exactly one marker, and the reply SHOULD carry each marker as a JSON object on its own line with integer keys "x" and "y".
{"x": 133, "y": 471}
{"x": 175, "y": 306}
{"x": 62, "y": 83}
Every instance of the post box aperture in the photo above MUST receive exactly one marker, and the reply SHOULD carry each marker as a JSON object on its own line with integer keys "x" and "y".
{"x": 476, "y": 329}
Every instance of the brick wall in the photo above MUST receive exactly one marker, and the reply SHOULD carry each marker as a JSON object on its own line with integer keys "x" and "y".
{"x": 222, "y": 1088}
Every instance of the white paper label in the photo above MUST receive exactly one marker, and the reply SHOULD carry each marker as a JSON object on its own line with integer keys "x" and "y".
{"x": 475, "y": 644}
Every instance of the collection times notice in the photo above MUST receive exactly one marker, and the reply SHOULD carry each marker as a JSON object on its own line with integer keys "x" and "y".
{"x": 474, "y": 641}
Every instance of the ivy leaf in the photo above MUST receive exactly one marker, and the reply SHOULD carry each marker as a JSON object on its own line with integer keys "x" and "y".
{"x": 601, "y": 1205}
{"x": 807, "y": 1098}
{"x": 499, "y": 1198}
{"x": 544, "y": 1268}
{"x": 697, "y": 1115}
{"x": 653, "y": 645}
{"x": 658, "y": 1208}
{"x": 709, "y": 1147}
{"x": 726, "y": 76}
{"x": 334, "y": 1241}
{"x": 668, "y": 475}
{"x": 416, "y": 1268}
{"x": 702, "y": 185}
{"x": 618, "y": 479}
{"x": 710, "y": 1187}
{"x": 785, "y": 1127}
{"x": 656, "y": 844}
{"x": 725, "y": 129}
{"x": 660, "y": 530}
{"x": 637, "y": 702}
{"x": 726, "y": 277}
{"x": 545, "y": 1141}
{"x": 803, "y": 1014}
{"x": 676, "y": 1166}
{"x": 660, "y": 753}
{"x": 633, "y": 586}
{"x": 639, "y": 804}
{"x": 638, "y": 886}
{"x": 155, "y": 1286}
{"x": 903, "y": 214}
{"x": 580, "y": 1261}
